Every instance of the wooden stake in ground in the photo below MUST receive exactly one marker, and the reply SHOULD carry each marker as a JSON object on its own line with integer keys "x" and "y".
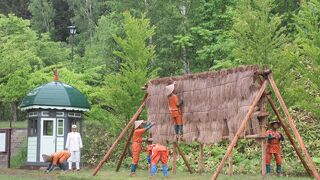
{"x": 200, "y": 160}
{"x": 293, "y": 126}
{"x": 134, "y": 118}
{"x": 230, "y": 158}
{"x": 184, "y": 158}
{"x": 241, "y": 129}
{"x": 124, "y": 153}
{"x": 174, "y": 159}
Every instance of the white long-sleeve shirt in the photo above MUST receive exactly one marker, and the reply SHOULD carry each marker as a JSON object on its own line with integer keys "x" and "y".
{"x": 74, "y": 142}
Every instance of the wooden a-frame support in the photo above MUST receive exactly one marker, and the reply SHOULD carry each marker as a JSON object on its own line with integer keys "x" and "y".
{"x": 131, "y": 122}
{"x": 291, "y": 124}
{"x": 120, "y": 137}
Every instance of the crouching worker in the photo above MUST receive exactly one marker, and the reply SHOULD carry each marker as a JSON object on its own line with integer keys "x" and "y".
{"x": 149, "y": 153}
{"x": 56, "y": 159}
{"x": 159, "y": 153}
{"x": 273, "y": 146}
{"x": 136, "y": 144}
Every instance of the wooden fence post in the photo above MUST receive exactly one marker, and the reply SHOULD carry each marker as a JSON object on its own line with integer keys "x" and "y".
{"x": 174, "y": 159}
{"x": 184, "y": 158}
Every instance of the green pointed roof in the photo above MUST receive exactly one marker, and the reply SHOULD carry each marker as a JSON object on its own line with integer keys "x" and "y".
{"x": 55, "y": 95}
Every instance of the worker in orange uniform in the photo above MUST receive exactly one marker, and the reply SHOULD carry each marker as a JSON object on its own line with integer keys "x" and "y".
{"x": 136, "y": 144}
{"x": 159, "y": 153}
{"x": 273, "y": 146}
{"x": 175, "y": 104}
{"x": 149, "y": 153}
{"x": 56, "y": 159}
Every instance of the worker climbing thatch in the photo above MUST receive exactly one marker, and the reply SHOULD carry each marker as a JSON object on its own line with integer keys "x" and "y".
{"x": 174, "y": 105}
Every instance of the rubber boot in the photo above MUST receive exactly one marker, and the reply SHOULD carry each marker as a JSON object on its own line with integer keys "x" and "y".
{"x": 165, "y": 170}
{"x": 133, "y": 169}
{"x": 153, "y": 169}
{"x": 278, "y": 170}
{"x": 268, "y": 168}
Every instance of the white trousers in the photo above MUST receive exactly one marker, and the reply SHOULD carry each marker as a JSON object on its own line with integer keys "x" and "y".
{"x": 75, "y": 157}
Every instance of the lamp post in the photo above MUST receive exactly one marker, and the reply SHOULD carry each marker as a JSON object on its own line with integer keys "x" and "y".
{"x": 72, "y": 30}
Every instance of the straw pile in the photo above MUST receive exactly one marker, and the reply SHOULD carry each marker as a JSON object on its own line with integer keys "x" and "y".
{"x": 215, "y": 103}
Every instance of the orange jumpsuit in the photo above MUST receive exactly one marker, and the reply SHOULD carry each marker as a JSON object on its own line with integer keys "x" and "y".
{"x": 173, "y": 103}
{"x": 149, "y": 152}
{"x": 60, "y": 157}
{"x": 136, "y": 145}
{"x": 273, "y": 147}
{"x": 159, "y": 152}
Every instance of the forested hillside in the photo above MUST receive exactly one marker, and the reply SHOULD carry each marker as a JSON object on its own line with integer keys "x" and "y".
{"x": 120, "y": 45}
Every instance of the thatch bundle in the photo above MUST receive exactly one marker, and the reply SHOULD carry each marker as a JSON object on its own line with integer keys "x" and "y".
{"x": 215, "y": 103}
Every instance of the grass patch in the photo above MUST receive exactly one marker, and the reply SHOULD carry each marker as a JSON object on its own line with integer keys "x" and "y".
{"x": 20, "y": 158}
{"x": 22, "y": 174}
{"x": 18, "y": 124}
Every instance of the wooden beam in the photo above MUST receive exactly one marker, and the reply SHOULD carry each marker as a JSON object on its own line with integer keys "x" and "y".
{"x": 230, "y": 157}
{"x": 124, "y": 153}
{"x": 200, "y": 160}
{"x": 241, "y": 129}
{"x": 252, "y": 136}
{"x": 174, "y": 159}
{"x": 287, "y": 132}
{"x": 263, "y": 147}
{"x": 134, "y": 118}
{"x": 293, "y": 126}
{"x": 184, "y": 158}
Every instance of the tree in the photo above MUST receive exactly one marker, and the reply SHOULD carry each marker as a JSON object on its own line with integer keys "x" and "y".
{"x": 42, "y": 15}
{"x": 258, "y": 34}
{"x": 307, "y": 41}
{"x": 18, "y": 57}
{"x": 122, "y": 90}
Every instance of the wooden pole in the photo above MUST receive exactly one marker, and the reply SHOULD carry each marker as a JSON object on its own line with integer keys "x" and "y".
{"x": 174, "y": 159}
{"x": 200, "y": 160}
{"x": 263, "y": 147}
{"x": 287, "y": 132}
{"x": 184, "y": 158}
{"x": 241, "y": 129}
{"x": 134, "y": 118}
{"x": 230, "y": 158}
{"x": 292, "y": 125}
{"x": 124, "y": 153}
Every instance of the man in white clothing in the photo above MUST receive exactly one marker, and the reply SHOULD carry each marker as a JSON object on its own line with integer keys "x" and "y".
{"x": 74, "y": 144}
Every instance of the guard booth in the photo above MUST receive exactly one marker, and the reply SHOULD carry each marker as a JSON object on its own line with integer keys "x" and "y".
{"x": 51, "y": 109}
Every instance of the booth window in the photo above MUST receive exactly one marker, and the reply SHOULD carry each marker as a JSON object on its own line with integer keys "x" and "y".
{"x": 60, "y": 114}
{"x": 48, "y": 128}
{"x": 60, "y": 127}
{"x": 33, "y": 127}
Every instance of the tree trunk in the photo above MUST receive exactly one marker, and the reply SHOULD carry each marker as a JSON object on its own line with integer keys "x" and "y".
{"x": 185, "y": 60}
{"x": 14, "y": 113}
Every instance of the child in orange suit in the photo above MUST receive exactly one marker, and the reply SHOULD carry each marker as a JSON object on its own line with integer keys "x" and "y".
{"x": 273, "y": 147}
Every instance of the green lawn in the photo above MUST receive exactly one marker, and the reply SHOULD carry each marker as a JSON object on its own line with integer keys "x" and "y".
{"x": 18, "y": 124}
{"x": 21, "y": 174}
